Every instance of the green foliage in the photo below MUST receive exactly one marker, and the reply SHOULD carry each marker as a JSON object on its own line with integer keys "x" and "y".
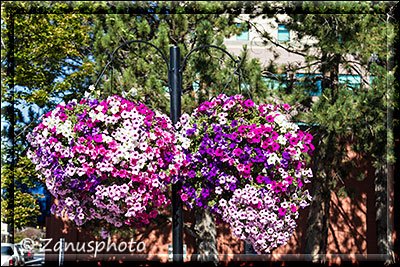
{"x": 337, "y": 38}
{"x": 140, "y": 66}
{"x": 45, "y": 60}
{"x": 26, "y": 209}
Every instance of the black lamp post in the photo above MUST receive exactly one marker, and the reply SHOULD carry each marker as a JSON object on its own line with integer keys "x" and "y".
{"x": 175, "y": 83}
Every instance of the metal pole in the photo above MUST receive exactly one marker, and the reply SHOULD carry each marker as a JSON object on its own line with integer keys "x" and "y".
{"x": 175, "y": 82}
{"x": 61, "y": 252}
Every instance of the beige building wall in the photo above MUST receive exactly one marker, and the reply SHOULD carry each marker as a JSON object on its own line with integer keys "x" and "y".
{"x": 270, "y": 51}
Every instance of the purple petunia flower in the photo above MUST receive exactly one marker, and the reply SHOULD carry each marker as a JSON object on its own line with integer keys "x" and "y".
{"x": 232, "y": 186}
{"x": 217, "y": 129}
{"x": 189, "y": 132}
{"x": 93, "y": 103}
{"x": 232, "y": 145}
{"x": 266, "y": 180}
{"x": 286, "y": 155}
{"x": 218, "y": 138}
{"x": 247, "y": 149}
{"x": 284, "y": 163}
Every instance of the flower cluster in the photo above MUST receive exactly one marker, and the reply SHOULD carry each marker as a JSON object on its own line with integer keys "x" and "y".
{"x": 246, "y": 163}
{"x": 108, "y": 160}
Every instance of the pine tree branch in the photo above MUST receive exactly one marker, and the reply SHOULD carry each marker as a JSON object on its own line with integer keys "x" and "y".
{"x": 262, "y": 35}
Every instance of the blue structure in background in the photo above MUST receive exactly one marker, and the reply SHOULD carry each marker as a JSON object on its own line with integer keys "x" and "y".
{"x": 312, "y": 81}
{"x": 276, "y": 81}
{"x": 283, "y": 33}
{"x": 244, "y": 36}
{"x": 352, "y": 81}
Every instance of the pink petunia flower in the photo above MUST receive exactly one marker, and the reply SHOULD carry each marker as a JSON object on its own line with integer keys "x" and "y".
{"x": 293, "y": 208}
{"x": 184, "y": 197}
{"x": 219, "y": 152}
{"x": 282, "y": 211}
{"x": 237, "y": 152}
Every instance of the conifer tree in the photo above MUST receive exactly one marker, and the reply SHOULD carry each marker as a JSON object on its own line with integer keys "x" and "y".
{"x": 336, "y": 38}
{"x": 184, "y": 24}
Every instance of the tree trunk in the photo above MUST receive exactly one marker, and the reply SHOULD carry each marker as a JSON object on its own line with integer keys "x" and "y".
{"x": 383, "y": 226}
{"x": 318, "y": 220}
{"x": 206, "y": 239}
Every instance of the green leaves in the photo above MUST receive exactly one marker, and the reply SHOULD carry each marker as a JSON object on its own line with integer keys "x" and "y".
{"x": 50, "y": 53}
{"x": 206, "y": 71}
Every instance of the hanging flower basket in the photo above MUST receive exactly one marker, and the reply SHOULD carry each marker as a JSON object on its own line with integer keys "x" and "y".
{"x": 109, "y": 160}
{"x": 246, "y": 164}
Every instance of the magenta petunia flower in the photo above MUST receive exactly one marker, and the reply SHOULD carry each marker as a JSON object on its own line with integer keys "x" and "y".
{"x": 63, "y": 117}
{"x": 219, "y": 152}
{"x": 153, "y": 213}
{"x": 293, "y": 208}
{"x": 270, "y": 118}
{"x": 237, "y": 152}
{"x": 249, "y": 103}
{"x": 241, "y": 128}
{"x": 234, "y": 135}
{"x": 282, "y": 211}
{"x": 184, "y": 197}
{"x": 293, "y": 141}
{"x": 98, "y": 138}
{"x": 274, "y": 135}
{"x": 289, "y": 179}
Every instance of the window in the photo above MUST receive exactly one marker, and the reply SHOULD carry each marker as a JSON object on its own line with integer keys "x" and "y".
{"x": 6, "y": 251}
{"x": 275, "y": 82}
{"x": 283, "y": 33}
{"x": 310, "y": 81}
{"x": 244, "y": 36}
{"x": 196, "y": 83}
{"x": 351, "y": 81}
{"x": 271, "y": 83}
{"x": 371, "y": 79}
{"x": 196, "y": 86}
